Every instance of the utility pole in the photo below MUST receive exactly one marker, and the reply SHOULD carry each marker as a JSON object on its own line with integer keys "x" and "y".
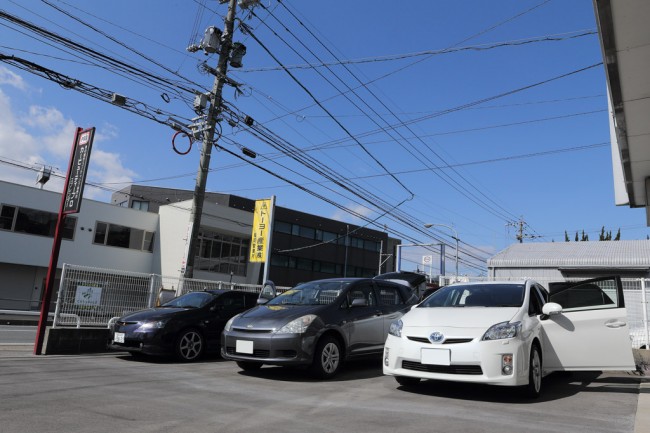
{"x": 208, "y": 136}
{"x": 519, "y": 225}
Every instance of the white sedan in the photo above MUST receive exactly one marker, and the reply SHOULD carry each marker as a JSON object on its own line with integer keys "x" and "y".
{"x": 510, "y": 333}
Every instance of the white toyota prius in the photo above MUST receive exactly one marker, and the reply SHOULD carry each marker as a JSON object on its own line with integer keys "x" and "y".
{"x": 511, "y": 333}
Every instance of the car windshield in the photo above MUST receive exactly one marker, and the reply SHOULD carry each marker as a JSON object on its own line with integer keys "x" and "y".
{"x": 190, "y": 300}
{"x": 312, "y": 293}
{"x": 477, "y": 295}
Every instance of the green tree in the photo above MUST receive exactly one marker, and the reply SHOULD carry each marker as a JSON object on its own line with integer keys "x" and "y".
{"x": 566, "y": 237}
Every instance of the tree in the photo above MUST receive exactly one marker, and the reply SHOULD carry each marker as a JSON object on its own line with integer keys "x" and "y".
{"x": 577, "y": 239}
{"x": 566, "y": 236}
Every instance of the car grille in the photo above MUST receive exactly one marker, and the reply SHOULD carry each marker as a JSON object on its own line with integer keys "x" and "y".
{"x": 124, "y": 323}
{"x": 129, "y": 343}
{"x": 252, "y": 331}
{"x": 447, "y": 369}
{"x": 447, "y": 341}
{"x": 258, "y": 353}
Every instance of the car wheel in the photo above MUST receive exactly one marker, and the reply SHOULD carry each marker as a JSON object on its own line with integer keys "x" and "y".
{"x": 189, "y": 345}
{"x": 534, "y": 387}
{"x": 407, "y": 381}
{"x": 327, "y": 358}
{"x": 249, "y": 366}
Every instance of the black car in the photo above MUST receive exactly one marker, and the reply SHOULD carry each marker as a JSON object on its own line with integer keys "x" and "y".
{"x": 317, "y": 324}
{"x": 186, "y": 326}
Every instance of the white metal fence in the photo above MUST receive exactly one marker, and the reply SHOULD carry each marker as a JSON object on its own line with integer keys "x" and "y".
{"x": 635, "y": 293}
{"x": 91, "y": 297}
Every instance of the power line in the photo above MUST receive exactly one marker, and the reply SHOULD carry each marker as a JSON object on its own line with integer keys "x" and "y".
{"x": 481, "y": 47}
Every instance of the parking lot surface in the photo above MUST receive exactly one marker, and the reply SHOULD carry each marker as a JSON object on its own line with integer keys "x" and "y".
{"x": 118, "y": 393}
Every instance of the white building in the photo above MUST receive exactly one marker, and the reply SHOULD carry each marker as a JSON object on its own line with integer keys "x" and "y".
{"x": 557, "y": 261}
{"x": 106, "y": 236}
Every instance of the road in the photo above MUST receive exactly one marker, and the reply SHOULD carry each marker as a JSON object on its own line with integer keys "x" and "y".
{"x": 10, "y": 334}
{"x": 117, "y": 393}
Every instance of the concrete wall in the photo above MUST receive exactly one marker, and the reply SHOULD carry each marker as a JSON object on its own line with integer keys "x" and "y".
{"x": 174, "y": 232}
{"x": 70, "y": 341}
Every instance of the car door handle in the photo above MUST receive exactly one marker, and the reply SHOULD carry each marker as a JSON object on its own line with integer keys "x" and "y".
{"x": 615, "y": 324}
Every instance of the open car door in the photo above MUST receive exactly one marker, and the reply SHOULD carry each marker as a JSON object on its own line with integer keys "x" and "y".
{"x": 591, "y": 332}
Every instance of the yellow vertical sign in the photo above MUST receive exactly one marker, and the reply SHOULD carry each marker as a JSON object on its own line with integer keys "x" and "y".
{"x": 260, "y": 235}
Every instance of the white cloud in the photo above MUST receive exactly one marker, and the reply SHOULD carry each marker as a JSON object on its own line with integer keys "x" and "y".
{"x": 107, "y": 132}
{"x": 12, "y": 79}
{"x": 43, "y": 136}
{"x": 341, "y": 215}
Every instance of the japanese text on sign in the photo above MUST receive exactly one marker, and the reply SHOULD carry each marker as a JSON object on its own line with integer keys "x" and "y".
{"x": 260, "y": 235}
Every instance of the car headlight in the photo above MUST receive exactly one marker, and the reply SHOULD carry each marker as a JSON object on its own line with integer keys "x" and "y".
{"x": 502, "y": 331}
{"x": 228, "y": 326}
{"x": 297, "y": 326}
{"x": 149, "y": 326}
{"x": 396, "y": 328}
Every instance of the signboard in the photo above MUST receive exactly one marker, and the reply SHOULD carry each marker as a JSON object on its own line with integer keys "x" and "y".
{"x": 427, "y": 260}
{"x": 87, "y": 295}
{"x": 260, "y": 234}
{"x": 77, "y": 171}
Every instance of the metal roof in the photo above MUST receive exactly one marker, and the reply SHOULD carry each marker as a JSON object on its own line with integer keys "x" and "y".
{"x": 625, "y": 42}
{"x": 610, "y": 254}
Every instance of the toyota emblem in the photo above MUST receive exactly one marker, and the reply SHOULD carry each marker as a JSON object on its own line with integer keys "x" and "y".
{"x": 436, "y": 337}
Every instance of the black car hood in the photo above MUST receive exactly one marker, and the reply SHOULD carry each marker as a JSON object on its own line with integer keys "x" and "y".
{"x": 153, "y": 314}
{"x": 274, "y": 316}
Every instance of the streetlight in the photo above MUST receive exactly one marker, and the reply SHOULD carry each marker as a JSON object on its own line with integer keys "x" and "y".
{"x": 455, "y": 237}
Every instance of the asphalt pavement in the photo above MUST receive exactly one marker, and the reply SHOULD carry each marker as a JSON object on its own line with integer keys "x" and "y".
{"x": 114, "y": 392}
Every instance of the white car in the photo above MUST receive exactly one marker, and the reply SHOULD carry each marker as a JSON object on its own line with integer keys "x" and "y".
{"x": 510, "y": 333}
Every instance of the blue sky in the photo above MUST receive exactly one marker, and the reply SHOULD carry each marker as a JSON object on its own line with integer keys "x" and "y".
{"x": 469, "y": 114}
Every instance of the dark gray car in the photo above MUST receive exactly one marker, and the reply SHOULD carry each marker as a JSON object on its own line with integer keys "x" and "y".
{"x": 317, "y": 324}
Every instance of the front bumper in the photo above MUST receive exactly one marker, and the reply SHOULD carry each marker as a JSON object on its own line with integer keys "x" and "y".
{"x": 153, "y": 342}
{"x": 473, "y": 361}
{"x": 268, "y": 347}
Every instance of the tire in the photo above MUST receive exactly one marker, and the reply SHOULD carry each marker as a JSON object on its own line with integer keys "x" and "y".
{"x": 249, "y": 366}
{"x": 327, "y": 358}
{"x": 407, "y": 381}
{"x": 534, "y": 387}
{"x": 190, "y": 345}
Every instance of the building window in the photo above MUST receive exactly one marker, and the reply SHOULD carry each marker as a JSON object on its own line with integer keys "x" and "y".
{"x": 222, "y": 253}
{"x": 34, "y": 222}
{"x": 140, "y": 205}
{"x": 307, "y": 232}
{"x": 114, "y": 235}
{"x": 282, "y": 227}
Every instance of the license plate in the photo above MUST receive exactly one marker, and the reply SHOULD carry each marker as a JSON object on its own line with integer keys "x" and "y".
{"x": 436, "y": 356}
{"x": 118, "y": 337}
{"x": 243, "y": 346}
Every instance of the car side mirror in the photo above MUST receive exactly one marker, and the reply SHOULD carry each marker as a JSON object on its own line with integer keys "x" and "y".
{"x": 359, "y": 302}
{"x": 550, "y": 309}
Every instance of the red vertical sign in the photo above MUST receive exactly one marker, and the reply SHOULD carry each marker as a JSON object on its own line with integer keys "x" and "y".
{"x": 70, "y": 203}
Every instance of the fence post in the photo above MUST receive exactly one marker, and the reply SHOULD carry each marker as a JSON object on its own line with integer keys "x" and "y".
{"x": 57, "y": 309}
{"x": 152, "y": 293}
{"x": 644, "y": 304}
